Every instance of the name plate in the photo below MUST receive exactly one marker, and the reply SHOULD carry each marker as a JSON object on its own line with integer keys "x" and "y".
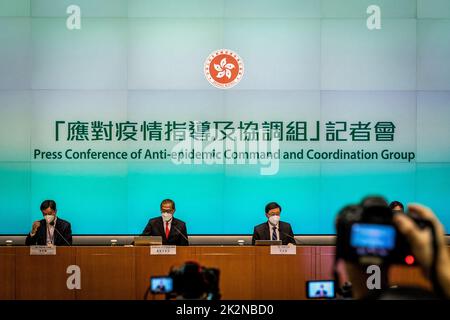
{"x": 42, "y": 251}
{"x": 163, "y": 250}
{"x": 283, "y": 250}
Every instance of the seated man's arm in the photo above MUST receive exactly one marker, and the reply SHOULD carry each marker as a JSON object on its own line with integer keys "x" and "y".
{"x": 68, "y": 233}
{"x": 147, "y": 230}
{"x": 291, "y": 233}
{"x": 255, "y": 236}
{"x": 31, "y": 240}
{"x": 32, "y": 237}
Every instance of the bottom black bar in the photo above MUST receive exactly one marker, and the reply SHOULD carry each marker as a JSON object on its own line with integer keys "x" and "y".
{"x": 190, "y": 309}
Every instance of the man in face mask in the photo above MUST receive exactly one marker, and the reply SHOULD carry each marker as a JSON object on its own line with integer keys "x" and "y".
{"x": 274, "y": 229}
{"x": 50, "y": 230}
{"x": 173, "y": 231}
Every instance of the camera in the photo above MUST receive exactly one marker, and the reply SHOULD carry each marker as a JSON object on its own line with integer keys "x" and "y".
{"x": 320, "y": 289}
{"x": 192, "y": 281}
{"x": 161, "y": 284}
{"x": 367, "y": 235}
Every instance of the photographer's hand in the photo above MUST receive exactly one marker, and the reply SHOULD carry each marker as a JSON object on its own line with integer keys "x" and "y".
{"x": 420, "y": 241}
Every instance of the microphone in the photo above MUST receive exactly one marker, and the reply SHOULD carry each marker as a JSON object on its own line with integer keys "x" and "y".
{"x": 288, "y": 235}
{"x": 53, "y": 224}
{"x": 178, "y": 230}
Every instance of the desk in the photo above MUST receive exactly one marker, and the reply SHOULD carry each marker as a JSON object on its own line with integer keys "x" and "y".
{"x": 123, "y": 272}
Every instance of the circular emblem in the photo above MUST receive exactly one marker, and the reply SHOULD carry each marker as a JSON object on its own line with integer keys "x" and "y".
{"x": 224, "y": 68}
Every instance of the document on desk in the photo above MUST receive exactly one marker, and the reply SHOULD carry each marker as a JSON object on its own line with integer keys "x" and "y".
{"x": 163, "y": 250}
{"x": 42, "y": 251}
{"x": 283, "y": 250}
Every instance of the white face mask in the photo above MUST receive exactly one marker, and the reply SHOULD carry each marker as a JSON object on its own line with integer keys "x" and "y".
{"x": 274, "y": 220}
{"x": 49, "y": 218}
{"x": 167, "y": 216}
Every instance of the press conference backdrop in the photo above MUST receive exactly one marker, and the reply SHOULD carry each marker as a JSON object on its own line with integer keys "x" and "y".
{"x": 341, "y": 91}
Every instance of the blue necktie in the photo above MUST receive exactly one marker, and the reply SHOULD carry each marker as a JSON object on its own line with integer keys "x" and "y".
{"x": 274, "y": 233}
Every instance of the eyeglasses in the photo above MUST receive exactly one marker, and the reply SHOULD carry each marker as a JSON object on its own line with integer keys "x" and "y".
{"x": 273, "y": 214}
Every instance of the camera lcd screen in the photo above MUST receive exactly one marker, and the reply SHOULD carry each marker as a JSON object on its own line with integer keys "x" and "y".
{"x": 323, "y": 289}
{"x": 377, "y": 237}
{"x": 161, "y": 284}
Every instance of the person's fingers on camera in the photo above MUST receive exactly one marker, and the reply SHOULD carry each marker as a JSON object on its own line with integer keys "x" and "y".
{"x": 427, "y": 214}
{"x": 407, "y": 227}
{"x": 423, "y": 212}
{"x": 419, "y": 240}
{"x": 443, "y": 261}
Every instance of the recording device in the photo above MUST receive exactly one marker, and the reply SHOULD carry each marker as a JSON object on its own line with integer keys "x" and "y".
{"x": 320, "y": 289}
{"x": 147, "y": 241}
{"x": 367, "y": 235}
{"x": 193, "y": 281}
{"x": 268, "y": 243}
{"x": 161, "y": 285}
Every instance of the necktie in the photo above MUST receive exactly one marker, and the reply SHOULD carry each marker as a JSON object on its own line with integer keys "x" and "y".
{"x": 274, "y": 233}
{"x": 167, "y": 230}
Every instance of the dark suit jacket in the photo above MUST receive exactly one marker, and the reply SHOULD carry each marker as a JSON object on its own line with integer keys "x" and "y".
{"x": 262, "y": 232}
{"x": 40, "y": 238}
{"x": 155, "y": 227}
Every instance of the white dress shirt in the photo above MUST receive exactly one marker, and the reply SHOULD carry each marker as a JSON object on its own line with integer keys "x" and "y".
{"x": 271, "y": 230}
{"x": 164, "y": 225}
{"x": 51, "y": 232}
